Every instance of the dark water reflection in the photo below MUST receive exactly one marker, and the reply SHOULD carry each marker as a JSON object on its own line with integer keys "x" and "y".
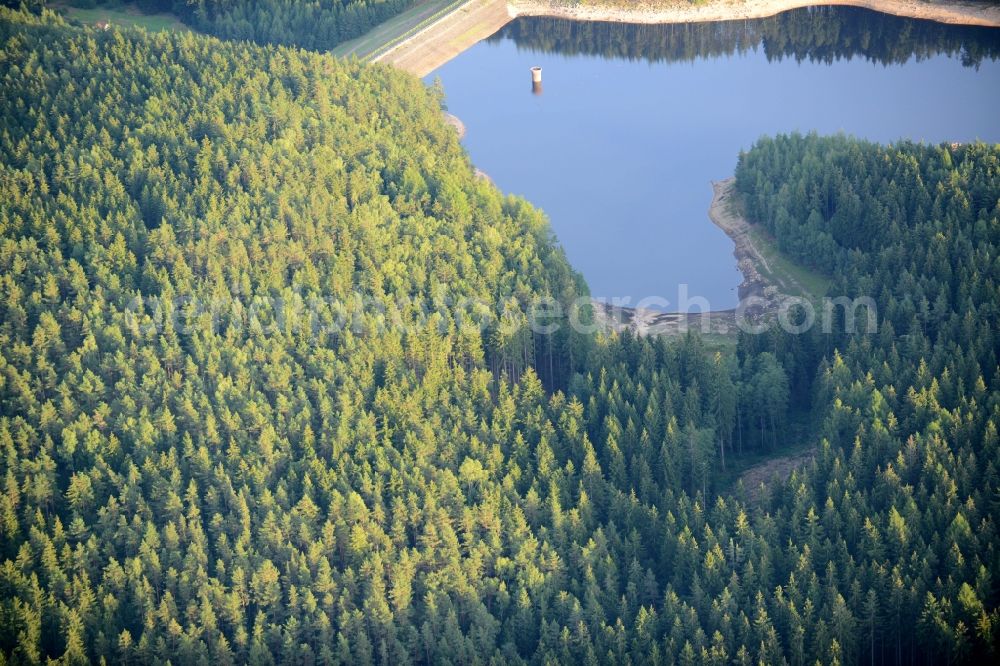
{"x": 634, "y": 122}
{"x": 816, "y": 34}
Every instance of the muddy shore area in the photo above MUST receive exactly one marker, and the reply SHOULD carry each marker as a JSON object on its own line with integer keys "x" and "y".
{"x": 759, "y": 297}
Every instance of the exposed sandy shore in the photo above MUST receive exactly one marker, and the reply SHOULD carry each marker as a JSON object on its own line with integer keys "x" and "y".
{"x": 722, "y": 214}
{"x": 726, "y": 213}
{"x": 643, "y": 321}
{"x": 767, "y": 296}
{"x": 652, "y": 11}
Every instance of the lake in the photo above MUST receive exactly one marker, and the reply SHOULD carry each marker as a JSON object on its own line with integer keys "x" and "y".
{"x": 634, "y": 122}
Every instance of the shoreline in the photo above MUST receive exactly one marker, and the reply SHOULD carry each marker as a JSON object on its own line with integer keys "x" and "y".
{"x": 447, "y": 37}
{"x": 737, "y": 229}
{"x": 721, "y": 10}
{"x": 456, "y": 123}
{"x": 423, "y": 53}
{"x": 767, "y": 294}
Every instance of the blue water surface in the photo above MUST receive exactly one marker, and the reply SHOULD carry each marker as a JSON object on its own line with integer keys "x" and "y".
{"x": 620, "y": 153}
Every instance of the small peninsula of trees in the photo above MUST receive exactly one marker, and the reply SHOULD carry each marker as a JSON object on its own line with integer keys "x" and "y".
{"x": 178, "y": 485}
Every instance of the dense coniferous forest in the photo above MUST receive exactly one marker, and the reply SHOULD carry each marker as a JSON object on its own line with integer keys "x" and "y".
{"x": 319, "y": 25}
{"x": 243, "y": 419}
{"x": 822, "y": 34}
